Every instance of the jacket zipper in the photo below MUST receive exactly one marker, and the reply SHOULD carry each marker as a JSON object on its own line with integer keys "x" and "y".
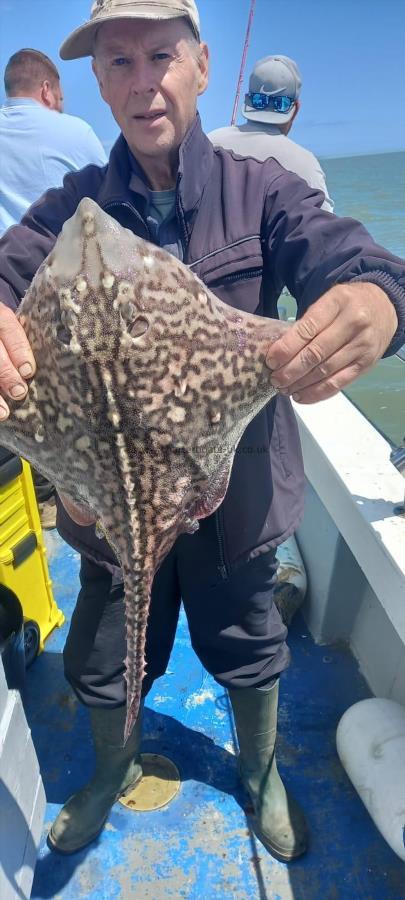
{"x": 252, "y": 237}
{"x": 129, "y": 206}
{"x": 180, "y": 220}
{"x": 140, "y": 219}
{"x": 239, "y": 276}
{"x": 223, "y": 568}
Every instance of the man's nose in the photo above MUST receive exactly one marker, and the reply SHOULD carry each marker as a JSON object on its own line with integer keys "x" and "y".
{"x": 142, "y": 79}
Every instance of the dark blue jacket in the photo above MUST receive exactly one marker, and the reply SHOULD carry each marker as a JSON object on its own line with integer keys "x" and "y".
{"x": 248, "y": 228}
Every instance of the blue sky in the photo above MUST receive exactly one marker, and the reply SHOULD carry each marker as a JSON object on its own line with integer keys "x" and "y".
{"x": 350, "y": 52}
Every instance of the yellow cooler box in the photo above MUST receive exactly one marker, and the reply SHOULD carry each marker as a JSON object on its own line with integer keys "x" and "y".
{"x": 23, "y": 565}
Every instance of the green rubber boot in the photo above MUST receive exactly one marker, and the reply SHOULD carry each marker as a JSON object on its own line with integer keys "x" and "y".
{"x": 281, "y": 824}
{"x": 117, "y": 769}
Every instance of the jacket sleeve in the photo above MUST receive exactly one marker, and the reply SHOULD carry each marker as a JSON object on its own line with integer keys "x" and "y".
{"x": 24, "y": 247}
{"x": 310, "y": 250}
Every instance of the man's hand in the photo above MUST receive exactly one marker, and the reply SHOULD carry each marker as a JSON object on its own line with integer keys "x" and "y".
{"x": 340, "y": 337}
{"x": 16, "y": 359}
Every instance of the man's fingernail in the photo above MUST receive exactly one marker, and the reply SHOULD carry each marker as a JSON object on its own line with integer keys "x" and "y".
{"x": 3, "y": 412}
{"x": 25, "y": 370}
{"x": 270, "y": 362}
{"x": 296, "y": 397}
{"x": 275, "y": 383}
{"x": 18, "y": 391}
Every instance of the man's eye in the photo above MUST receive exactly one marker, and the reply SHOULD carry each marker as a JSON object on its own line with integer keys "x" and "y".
{"x": 159, "y": 56}
{"x": 119, "y": 61}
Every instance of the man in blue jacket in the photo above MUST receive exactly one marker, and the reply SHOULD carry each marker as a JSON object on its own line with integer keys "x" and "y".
{"x": 247, "y": 228}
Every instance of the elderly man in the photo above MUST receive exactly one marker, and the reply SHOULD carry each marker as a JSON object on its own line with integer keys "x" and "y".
{"x": 246, "y": 228}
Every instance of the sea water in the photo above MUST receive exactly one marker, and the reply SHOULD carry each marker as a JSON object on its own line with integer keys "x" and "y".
{"x": 372, "y": 189}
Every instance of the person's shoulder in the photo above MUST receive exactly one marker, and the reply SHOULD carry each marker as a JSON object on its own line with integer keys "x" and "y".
{"x": 301, "y": 151}
{"x": 239, "y": 163}
{"x": 220, "y": 133}
{"x": 80, "y": 141}
{"x": 74, "y": 122}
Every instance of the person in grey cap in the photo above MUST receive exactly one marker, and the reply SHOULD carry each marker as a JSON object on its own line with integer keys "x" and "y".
{"x": 271, "y": 106}
{"x": 246, "y": 228}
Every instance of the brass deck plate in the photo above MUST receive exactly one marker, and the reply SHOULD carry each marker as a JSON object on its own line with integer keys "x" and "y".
{"x": 159, "y": 784}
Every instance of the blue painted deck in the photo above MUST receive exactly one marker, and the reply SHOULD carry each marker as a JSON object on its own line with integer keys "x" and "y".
{"x": 202, "y": 844}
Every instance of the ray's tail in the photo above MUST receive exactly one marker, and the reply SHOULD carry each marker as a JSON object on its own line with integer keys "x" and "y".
{"x": 138, "y": 584}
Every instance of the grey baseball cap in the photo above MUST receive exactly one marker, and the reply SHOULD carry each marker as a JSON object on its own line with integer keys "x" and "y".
{"x": 81, "y": 41}
{"x": 274, "y": 76}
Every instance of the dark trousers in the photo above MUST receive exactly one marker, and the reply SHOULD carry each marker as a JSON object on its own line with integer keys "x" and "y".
{"x": 44, "y": 490}
{"x": 235, "y": 628}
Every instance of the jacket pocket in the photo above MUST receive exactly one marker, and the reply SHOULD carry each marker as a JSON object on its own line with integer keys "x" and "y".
{"x": 230, "y": 262}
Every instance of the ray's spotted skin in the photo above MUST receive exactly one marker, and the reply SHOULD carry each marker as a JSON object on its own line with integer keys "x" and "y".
{"x": 145, "y": 384}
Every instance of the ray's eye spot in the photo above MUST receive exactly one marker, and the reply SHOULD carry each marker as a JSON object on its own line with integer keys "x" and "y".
{"x": 215, "y": 417}
{"x": 89, "y": 225}
{"x": 148, "y": 261}
{"x": 139, "y": 326}
{"x": 125, "y": 290}
{"x": 39, "y": 434}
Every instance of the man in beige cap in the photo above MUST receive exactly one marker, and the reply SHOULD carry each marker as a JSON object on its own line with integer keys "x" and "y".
{"x": 271, "y": 106}
{"x": 246, "y": 228}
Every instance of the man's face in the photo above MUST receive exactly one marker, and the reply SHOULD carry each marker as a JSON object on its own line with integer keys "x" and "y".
{"x": 150, "y": 74}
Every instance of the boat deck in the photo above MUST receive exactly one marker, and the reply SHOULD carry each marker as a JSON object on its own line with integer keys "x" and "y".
{"x": 202, "y": 844}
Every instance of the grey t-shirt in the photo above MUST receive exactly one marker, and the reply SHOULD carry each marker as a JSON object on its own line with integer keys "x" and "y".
{"x": 161, "y": 219}
{"x": 161, "y": 204}
{"x": 262, "y": 141}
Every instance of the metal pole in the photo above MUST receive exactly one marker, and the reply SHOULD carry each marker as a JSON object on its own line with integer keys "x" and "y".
{"x": 243, "y": 63}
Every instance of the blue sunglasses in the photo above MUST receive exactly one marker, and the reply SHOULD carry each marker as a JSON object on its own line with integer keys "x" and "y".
{"x": 266, "y": 101}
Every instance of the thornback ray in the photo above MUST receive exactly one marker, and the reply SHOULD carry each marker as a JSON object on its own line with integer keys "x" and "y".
{"x": 145, "y": 383}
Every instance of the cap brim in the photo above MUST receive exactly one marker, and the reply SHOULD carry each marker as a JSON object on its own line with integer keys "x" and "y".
{"x": 268, "y": 116}
{"x": 81, "y": 42}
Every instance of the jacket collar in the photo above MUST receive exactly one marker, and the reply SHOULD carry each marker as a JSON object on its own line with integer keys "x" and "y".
{"x": 195, "y": 162}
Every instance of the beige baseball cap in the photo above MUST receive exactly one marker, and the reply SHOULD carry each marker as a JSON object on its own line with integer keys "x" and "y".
{"x": 81, "y": 41}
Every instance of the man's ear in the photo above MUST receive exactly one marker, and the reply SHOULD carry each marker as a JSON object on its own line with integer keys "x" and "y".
{"x": 46, "y": 94}
{"x": 203, "y": 68}
{"x": 296, "y": 110}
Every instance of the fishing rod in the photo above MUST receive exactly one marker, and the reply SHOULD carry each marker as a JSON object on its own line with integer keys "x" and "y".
{"x": 243, "y": 62}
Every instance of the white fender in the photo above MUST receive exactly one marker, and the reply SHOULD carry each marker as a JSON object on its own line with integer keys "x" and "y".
{"x": 371, "y": 745}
